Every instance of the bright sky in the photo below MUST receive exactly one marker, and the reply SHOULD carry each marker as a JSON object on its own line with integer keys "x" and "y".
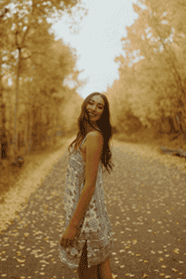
{"x": 98, "y": 41}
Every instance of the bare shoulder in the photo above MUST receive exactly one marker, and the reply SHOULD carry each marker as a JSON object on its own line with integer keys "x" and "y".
{"x": 95, "y": 134}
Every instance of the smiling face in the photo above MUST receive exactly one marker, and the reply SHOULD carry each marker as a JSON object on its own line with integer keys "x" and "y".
{"x": 96, "y": 106}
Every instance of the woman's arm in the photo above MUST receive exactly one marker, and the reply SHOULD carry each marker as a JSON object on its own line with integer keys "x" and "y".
{"x": 94, "y": 147}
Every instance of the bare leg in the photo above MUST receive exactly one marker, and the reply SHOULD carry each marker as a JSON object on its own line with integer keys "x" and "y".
{"x": 92, "y": 272}
{"x": 83, "y": 271}
{"x": 105, "y": 270}
{"x": 83, "y": 266}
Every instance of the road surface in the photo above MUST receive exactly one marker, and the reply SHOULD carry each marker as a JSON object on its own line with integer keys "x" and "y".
{"x": 146, "y": 203}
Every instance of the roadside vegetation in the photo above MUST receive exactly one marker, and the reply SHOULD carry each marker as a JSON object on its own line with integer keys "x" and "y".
{"x": 37, "y": 106}
{"x": 148, "y": 101}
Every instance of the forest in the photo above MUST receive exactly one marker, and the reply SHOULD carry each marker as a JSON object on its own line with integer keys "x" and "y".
{"x": 150, "y": 95}
{"x": 36, "y": 105}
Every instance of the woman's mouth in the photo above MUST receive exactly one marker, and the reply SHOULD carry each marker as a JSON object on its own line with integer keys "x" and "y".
{"x": 92, "y": 114}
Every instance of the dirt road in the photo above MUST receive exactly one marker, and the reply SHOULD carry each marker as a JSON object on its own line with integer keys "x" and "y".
{"x": 145, "y": 200}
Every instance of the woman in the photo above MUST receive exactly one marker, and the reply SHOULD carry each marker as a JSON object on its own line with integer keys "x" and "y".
{"x": 87, "y": 239}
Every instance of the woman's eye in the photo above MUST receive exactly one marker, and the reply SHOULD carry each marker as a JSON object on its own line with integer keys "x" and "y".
{"x": 92, "y": 104}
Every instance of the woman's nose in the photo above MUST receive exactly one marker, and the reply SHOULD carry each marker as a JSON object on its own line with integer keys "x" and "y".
{"x": 93, "y": 107}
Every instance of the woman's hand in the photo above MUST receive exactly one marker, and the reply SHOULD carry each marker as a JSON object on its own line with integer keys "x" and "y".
{"x": 68, "y": 236}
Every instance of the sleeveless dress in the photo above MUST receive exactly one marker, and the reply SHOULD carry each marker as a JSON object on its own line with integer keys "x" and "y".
{"x": 95, "y": 226}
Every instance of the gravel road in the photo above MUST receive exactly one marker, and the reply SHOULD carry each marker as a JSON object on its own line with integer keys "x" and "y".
{"x": 146, "y": 203}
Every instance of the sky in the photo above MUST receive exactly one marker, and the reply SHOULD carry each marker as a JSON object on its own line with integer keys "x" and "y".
{"x": 98, "y": 41}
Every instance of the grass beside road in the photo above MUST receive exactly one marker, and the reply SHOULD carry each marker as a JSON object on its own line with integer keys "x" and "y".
{"x": 148, "y": 144}
{"x": 150, "y": 137}
{"x": 10, "y": 175}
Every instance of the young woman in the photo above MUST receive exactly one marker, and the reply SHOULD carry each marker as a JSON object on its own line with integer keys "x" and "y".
{"x": 86, "y": 243}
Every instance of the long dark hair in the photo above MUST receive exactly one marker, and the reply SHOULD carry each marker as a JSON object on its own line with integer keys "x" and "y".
{"x": 104, "y": 125}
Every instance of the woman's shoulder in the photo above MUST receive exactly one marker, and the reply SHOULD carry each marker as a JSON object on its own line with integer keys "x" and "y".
{"x": 95, "y": 134}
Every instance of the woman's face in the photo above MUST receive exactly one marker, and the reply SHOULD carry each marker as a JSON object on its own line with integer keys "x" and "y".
{"x": 96, "y": 106}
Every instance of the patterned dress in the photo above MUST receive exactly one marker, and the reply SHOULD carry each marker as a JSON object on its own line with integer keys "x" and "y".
{"x": 94, "y": 227}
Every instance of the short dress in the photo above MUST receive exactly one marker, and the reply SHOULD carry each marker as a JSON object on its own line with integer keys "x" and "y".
{"x": 95, "y": 226}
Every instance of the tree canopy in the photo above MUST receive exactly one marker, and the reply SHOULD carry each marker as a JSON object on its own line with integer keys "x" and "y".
{"x": 152, "y": 73}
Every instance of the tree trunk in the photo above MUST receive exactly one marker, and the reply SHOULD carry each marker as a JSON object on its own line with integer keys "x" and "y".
{"x": 1, "y": 105}
{"x": 28, "y": 121}
{"x": 16, "y": 128}
{"x": 53, "y": 123}
{"x": 3, "y": 135}
{"x": 3, "y": 138}
{"x": 173, "y": 127}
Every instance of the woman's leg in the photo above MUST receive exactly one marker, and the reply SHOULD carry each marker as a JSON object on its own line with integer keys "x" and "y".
{"x": 105, "y": 270}
{"x": 83, "y": 271}
{"x": 92, "y": 272}
{"x": 83, "y": 265}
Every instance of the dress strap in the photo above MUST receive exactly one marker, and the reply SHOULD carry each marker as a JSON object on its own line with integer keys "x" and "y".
{"x": 83, "y": 141}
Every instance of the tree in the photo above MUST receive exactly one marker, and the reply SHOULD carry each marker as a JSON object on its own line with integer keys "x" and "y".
{"x": 3, "y": 43}
{"x": 27, "y": 17}
{"x": 154, "y": 62}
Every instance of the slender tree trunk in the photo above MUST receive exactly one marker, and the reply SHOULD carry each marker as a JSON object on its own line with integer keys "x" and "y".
{"x": 3, "y": 138}
{"x": 8, "y": 126}
{"x": 53, "y": 123}
{"x": 30, "y": 123}
{"x": 1, "y": 106}
{"x": 26, "y": 121}
{"x": 16, "y": 128}
{"x": 29, "y": 135}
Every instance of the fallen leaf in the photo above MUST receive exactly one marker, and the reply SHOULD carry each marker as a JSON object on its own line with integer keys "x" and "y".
{"x": 175, "y": 270}
{"x": 176, "y": 251}
{"x": 20, "y": 261}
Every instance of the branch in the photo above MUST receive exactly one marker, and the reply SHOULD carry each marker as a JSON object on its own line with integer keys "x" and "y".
{"x": 16, "y": 35}
{"x": 38, "y": 52}
{"x": 29, "y": 22}
{"x": 34, "y": 52}
{"x": 5, "y": 11}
